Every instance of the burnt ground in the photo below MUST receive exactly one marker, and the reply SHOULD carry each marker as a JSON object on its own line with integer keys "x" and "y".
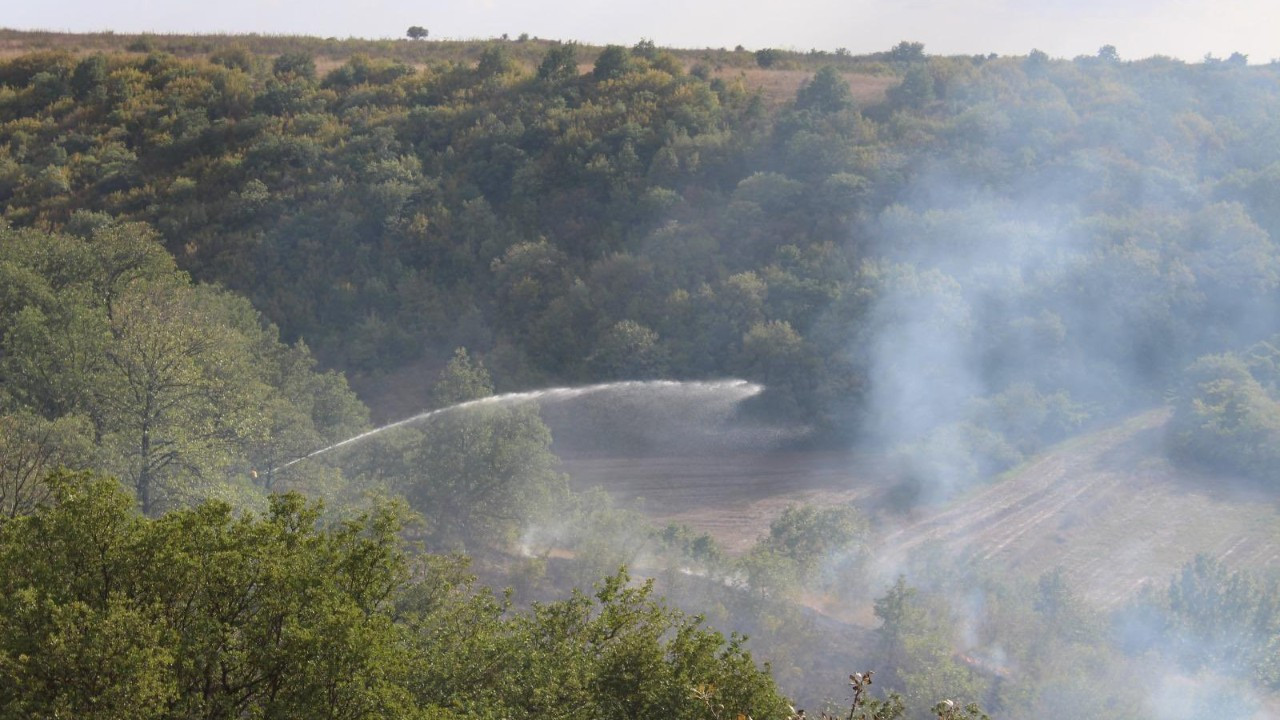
{"x": 1109, "y": 507}
{"x": 731, "y": 495}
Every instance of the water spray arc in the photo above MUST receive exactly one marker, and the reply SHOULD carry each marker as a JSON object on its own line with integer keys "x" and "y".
{"x": 741, "y": 390}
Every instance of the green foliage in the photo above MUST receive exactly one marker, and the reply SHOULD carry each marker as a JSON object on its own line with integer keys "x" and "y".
{"x": 184, "y": 387}
{"x": 299, "y": 65}
{"x": 559, "y": 64}
{"x": 31, "y": 447}
{"x": 907, "y": 51}
{"x": 612, "y": 63}
{"x": 1226, "y": 620}
{"x": 462, "y": 380}
{"x": 428, "y": 195}
{"x": 767, "y": 57}
{"x": 827, "y": 91}
{"x": 1228, "y": 412}
{"x": 203, "y": 613}
{"x": 808, "y": 546}
{"x": 628, "y": 351}
{"x": 916, "y": 651}
{"x": 916, "y": 89}
{"x": 196, "y": 614}
{"x": 478, "y": 474}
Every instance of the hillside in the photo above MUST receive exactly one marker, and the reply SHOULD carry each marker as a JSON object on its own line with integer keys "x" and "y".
{"x": 1109, "y": 506}
{"x": 928, "y": 300}
{"x": 867, "y": 75}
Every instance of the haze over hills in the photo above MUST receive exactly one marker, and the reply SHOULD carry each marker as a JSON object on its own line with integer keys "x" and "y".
{"x": 965, "y": 368}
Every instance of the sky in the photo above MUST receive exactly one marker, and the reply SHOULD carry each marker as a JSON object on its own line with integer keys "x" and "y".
{"x": 1186, "y": 29}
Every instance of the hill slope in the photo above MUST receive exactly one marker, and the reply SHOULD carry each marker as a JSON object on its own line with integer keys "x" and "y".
{"x": 1108, "y": 506}
{"x": 1111, "y": 509}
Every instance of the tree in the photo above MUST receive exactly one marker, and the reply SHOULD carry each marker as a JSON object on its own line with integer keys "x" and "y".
{"x": 297, "y": 64}
{"x": 809, "y": 535}
{"x": 768, "y": 57}
{"x": 826, "y": 92}
{"x": 613, "y": 62}
{"x": 201, "y": 613}
{"x": 495, "y": 61}
{"x": 174, "y": 394}
{"x": 183, "y": 386}
{"x": 480, "y": 474}
{"x": 416, "y": 32}
{"x": 906, "y": 51}
{"x": 916, "y": 89}
{"x": 617, "y": 653}
{"x": 628, "y": 350}
{"x": 209, "y": 613}
{"x": 31, "y": 447}
{"x": 1225, "y": 620}
{"x": 88, "y": 78}
{"x": 462, "y": 380}
{"x": 559, "y": 63}
{"x": 916, "y": 646}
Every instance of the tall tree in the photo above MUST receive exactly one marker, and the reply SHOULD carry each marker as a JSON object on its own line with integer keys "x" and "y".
{"x": 480, "y": 474}
{"x": 175, "y": 392}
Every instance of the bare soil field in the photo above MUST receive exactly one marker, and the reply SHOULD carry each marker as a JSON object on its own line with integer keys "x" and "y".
{"x": 731, "y": 496}
{"x": 1109, "y": 507}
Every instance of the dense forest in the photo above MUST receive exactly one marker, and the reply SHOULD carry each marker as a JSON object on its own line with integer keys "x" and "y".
{"x": 205, "y": 240}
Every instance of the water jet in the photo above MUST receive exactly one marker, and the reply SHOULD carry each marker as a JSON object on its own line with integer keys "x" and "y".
{"x": 737, "y": 389}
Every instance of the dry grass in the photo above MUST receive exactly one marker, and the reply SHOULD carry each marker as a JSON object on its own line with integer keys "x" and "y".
{"x": 780, "y": 86}
{"x": 867, "y": 79}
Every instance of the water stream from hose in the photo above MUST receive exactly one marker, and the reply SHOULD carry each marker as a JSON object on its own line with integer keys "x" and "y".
{"x": 738, "y": 390}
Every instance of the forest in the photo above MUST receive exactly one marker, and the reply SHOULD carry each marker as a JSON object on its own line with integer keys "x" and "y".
{"x": 219, "y": 254}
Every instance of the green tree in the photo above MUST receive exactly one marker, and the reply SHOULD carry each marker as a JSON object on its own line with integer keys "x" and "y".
{"x": 628, "y": 350}
{"x": 559, "y": 63}
{"x": 613, "y": 62}
{"x": 174, "y": 394}
{"x": 296, "y": 64}
{"x": 186, "y": 388}
{"x": 916, "y": 647}
{"x": 916, "y": 89}
{"x": 907, "y": 51}
{"x": 482, "y": 473}
{"x": 462, "y": 380}
{"x": 827, "y": 91}
{"x": 416, "y": 32}
{"x": 31, "y": 447}
{"x": 809, "y": 535}
{"x": 198, "y": 614}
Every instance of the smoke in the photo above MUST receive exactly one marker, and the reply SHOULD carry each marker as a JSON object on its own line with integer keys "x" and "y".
{"x": 1017, "y": 305}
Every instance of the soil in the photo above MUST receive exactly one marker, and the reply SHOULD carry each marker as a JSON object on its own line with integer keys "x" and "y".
{"x": 1109, "y": 507}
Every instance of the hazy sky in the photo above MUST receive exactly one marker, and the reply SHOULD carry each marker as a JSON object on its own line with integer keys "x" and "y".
{"x": 1063, "y": 28}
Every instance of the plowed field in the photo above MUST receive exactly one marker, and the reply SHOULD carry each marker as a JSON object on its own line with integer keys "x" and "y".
{"x": 1108, "y": 506}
